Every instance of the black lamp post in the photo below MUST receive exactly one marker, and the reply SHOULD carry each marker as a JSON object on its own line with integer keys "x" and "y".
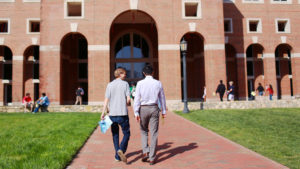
{"x": 183, "y": 49}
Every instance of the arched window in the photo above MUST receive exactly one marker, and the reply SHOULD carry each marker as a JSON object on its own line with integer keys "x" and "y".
{"x": 132, "y": 52}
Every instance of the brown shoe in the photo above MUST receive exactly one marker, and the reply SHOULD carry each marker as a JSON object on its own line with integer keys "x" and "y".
{"x": 122, "y": 156}
{"x": 145, "y": 157}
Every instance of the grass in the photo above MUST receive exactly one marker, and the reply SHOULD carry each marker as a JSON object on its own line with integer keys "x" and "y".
{"x": 274, "y": 133}
{"x": 43, "y": 141}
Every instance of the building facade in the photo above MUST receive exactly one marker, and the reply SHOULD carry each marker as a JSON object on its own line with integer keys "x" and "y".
{"x": 54, "y": 46}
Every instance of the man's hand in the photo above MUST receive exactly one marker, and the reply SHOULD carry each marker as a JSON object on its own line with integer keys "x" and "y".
{"x": 102, "y": 116}
{"x": 164, "y": 115}
{"x": 137, "y": 118}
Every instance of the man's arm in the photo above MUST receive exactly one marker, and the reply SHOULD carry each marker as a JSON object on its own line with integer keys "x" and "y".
{"x": 162, "y": 100}
{"x": 104, "y": 108}
{"x": 137, "y": 101}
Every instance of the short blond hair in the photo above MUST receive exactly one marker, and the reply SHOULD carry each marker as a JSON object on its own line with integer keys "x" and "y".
{"x": 119, "y": 71}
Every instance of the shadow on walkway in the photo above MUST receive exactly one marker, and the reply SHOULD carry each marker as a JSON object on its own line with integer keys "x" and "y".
{"x": 170, "y": 152}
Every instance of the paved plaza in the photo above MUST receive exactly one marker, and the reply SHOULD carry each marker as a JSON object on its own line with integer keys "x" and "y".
{"x": 181, "y": 144}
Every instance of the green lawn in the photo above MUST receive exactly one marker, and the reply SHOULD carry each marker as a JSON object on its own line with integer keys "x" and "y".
{"x": 274, "y": 133}
{"x": 43, "y": 141}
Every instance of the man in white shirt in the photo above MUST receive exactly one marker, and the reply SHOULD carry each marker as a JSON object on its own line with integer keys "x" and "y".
{"x": 148, "y": 94}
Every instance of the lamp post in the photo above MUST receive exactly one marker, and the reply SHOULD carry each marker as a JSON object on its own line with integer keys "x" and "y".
{"x": 183, "y": 49}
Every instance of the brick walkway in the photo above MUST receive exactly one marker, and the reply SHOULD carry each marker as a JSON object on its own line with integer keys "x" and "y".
{"x": 181, "y": 144}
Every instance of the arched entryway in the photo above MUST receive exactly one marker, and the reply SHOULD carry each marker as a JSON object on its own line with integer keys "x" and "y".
{"x": 6, "y": 73}
{"x": 74, "y": 67}
{"x": 255, "y": 67}
{"x": 133, "y": 41}
{"x": 231, "y": 68}
{"x": 194, "y": 67}
{"x": 284, "y": 71}
{"x": 31, "y": 71}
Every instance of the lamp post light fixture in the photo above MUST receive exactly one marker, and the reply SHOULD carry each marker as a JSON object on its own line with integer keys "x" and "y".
{"x": 183, "y": 49}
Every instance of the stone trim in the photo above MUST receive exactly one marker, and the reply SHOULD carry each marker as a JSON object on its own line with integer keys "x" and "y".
{"x": 7, "y": 0}
{"x": 192, "y": 26}
{"x": 240, "y": 55}
{"x": 49, "y": 48}
{"x": 133, "y": 4}
{"x": 35, "y": 80}
{"x": 73, "y": 27}
{"x": 34, "y": 41}
{"x": 98, "y": 47}
{"x": 268, "y": 55}
{"x": 5, "y": 81}
{"x": 18, "y": 58}
{"x": 31, "y": 0}
{"x": 96, "y": 103}
{"x": 295, "y": 55}
{"x": 169, "y": 47}
{"x": 214, "y": 47}
{"x": 2, "y": 41}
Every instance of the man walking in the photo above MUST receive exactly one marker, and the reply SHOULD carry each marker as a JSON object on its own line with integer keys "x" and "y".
{"x": 79, "y": 93}
{"x": 221, "y": 90}
{"x": 149, "y": 93}
{"x": 117, "y": 95}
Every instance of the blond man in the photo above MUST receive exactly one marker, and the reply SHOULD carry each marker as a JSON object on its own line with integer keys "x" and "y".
{"x": 117, "y": 97}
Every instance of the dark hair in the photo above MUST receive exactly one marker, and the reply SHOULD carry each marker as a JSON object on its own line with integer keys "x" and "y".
{"x": 148, "y": 70}
{"x": 44, "y": 94}
{"x": 221, "y": 81}
{"x": 271, "y": 86}
{"x": 259, "y": 84}
{"x": 27, "y": 94}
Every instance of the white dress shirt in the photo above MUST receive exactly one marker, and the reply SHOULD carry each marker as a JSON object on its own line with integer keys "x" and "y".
{"x": 149, "y": 92}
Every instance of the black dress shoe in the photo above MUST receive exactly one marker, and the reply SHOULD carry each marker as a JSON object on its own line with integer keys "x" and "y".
{"x": 145, "y": 157}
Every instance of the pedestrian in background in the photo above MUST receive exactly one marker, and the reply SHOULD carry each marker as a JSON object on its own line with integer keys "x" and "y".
{"x": 271, "y": 91}
{"x": 221, "y": 90}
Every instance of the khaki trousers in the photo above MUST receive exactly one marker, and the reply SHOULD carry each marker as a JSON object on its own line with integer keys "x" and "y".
{"x": 149, "y": 119}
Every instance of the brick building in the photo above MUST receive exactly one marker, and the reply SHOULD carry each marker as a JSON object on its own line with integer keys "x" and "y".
{"x": 53, "y": 46}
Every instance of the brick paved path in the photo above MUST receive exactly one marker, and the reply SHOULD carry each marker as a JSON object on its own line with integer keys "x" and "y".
{"x": 181, "y": 144}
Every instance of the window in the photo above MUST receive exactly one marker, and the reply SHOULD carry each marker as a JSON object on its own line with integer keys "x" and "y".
{"x": 4, "y": 26}
{"x": 74, "y": 9}
{"x": 253, "y": 1}
{"x": 281, "y": 1}
{"x": 254, "y": 26}
{"x": 283, "y": 26}
{"x": 228, "y": 25}
{"x": 191, "y": 9}
{"x": 33, "y": 26}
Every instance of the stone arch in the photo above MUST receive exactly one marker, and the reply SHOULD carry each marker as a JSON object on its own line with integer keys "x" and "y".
{"x": 6, "y": 72}
{"x": 134, "y": 43}
{"x": 74, "y": 67}
{"x": 195, "y": 66}
{"x": 255, "y": 68}
{"x": 284, "y": 71}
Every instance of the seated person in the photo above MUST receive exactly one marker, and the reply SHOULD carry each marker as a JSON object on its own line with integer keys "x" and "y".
{"x": 27, "y": 102}
{"x": 43, "y": 103}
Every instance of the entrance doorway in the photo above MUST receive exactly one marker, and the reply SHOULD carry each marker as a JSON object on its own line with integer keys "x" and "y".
{"x": 195, "y": 69}
{"x": 6, "y": 73}
{"x": 74, "y": 68}
{"x": 133, "y": 37}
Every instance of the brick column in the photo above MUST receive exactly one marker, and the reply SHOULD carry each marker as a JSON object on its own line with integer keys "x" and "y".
{"x": 17, "y": 80}
{"x": 296, "y": 74}
{"x": 169, "y": 71}
{"x": 50, "y": 72}
{"x": 98, "y": 72}
{"x": 215, "y": 68}
{"x": 242, "y": 75}
{"x": 270, "y": 71}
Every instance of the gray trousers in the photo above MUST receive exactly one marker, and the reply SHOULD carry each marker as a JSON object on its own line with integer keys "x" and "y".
{"x": 149, "y": 117}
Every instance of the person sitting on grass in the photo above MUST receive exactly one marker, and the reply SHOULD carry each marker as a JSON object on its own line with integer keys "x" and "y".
{"x": 43, "y": 103}
{"x": 27, "y": 102}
